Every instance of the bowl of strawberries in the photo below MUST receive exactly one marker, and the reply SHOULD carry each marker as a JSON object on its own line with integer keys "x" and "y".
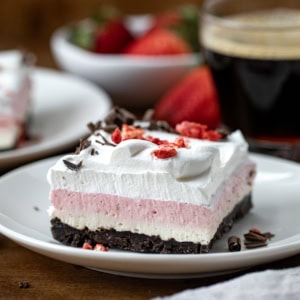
{"x": 135, "y": 59}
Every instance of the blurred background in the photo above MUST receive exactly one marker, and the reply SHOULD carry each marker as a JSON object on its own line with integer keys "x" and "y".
{"x": 29, "y": 23}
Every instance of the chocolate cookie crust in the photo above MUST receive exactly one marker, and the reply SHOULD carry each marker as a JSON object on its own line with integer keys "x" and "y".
{"x": 136, "y": 242}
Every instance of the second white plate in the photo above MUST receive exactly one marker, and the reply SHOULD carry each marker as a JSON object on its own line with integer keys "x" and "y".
{"x": 62, "y": 105}
{"x": 23, "y": 218}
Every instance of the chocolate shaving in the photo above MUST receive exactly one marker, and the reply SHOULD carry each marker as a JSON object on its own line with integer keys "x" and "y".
{"x": 105, "y": 141}
{"x": 253, "y": 244}
{"x": 161, "y": 125}
{"x": 109, "y": 128}
{"x": 91, "y": 126}
{"x": 234, "y": 244}
{"x": 84, "y": 143}
{"x": 94, "y": 152}
{"x": 255, "y": 239}
{"x": 24, "y": 285}
{"x": 72, "y": 166}
{"x": 119, "y": 116}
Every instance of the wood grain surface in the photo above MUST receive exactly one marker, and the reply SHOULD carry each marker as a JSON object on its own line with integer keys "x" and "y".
{"x": 29, "y": 24}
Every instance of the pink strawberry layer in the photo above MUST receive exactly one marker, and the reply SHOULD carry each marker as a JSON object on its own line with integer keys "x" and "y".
{"x": 151, "y": 216}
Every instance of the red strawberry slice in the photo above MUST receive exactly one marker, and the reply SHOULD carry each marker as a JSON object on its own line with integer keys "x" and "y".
{"x": 112, "y": 37}
{"x": 160, "y": 41}
{"x": 193, "y": 99}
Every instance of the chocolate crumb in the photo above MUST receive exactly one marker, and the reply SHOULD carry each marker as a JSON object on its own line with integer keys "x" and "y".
{"x": 109, "y": 128}
{"x": 24, "y": 285}
{"x": 204, "y": 249}
{"x": 72, "y": 166}
{"x": 255, "y": 238}
{"x": 234, "y": 244}
{"x": 254, "y": 244}
{"x": 161, "y": 125}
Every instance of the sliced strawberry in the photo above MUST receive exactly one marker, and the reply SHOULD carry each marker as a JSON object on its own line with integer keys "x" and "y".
{"x": 112, "y": 37}
{"x": 193, "y": 99}
{"x": 160, "y": 41}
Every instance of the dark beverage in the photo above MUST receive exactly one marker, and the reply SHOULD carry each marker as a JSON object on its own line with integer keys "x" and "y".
{"x": 257, "y": 74}
{"x": 259, "y": 96}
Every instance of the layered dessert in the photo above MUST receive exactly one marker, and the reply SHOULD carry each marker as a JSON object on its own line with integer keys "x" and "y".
{"x": 146, "y": 187}
{"x": 15, "y": 94}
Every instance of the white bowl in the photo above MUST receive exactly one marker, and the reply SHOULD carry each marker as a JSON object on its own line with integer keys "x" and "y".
{"x": 131, "y": 81}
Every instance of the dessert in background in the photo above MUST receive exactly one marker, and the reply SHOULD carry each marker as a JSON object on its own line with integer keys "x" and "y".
{"x": 145, "y": 186}
{"x": 15, "y": 94}
{"x": 167, "y": 33}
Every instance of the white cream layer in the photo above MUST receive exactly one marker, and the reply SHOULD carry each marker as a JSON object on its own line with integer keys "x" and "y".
{"x": 167, "y": 219}
{"x": 130, "y": 170}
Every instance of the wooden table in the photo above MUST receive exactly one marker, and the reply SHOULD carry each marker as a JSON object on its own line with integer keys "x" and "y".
{"x": 51, "y": 279}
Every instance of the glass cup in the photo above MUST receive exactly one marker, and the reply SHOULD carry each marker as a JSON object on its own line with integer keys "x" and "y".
{"x": 253, "y": 50}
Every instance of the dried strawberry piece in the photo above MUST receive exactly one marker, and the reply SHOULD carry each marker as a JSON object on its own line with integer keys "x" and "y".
{"x": 116, "y": 136}
{"x": 131, "y": 132}
{"x": 156, "y": 140}
{"x": 101, "y": 248}
{"x": 87, "y": 246}
{"x": 197, "y": 130}
{"x": 213, "y": 135}
{"x": 191, "y": 129}
{"x": 165, "y": 151}
{"x": 180, "y": 142}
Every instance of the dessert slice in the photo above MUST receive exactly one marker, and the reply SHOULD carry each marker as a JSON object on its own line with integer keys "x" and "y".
{"x": 15, "y": 93}
{"x": 142, "y": 186}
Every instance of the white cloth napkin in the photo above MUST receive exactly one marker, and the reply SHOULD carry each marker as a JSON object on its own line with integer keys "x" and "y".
{"x": 266, "y": 285}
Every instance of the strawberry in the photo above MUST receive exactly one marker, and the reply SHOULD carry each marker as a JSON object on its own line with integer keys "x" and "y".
{"x": 184, "y": 21}
{"x": 112, "y": 37}
{"x": 160, "y": 41}
{"x": 104, "y": 32}
{"x": 193, "y": 99}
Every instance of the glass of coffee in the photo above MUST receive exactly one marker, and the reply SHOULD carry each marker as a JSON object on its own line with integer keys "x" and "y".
{"x": 253, "y": 50}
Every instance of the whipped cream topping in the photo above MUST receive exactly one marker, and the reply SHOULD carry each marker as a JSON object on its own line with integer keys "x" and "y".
{"x": 130, "y": 169}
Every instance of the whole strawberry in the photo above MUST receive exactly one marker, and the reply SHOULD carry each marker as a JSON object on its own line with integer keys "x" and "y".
{"x": 160, "y": 41}
{"x": 112, "y": 37}
{"x": 193, "y": 99}
{"x": 104, "y": 32}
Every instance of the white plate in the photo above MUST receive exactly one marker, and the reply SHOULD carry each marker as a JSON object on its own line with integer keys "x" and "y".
{"x": 62, "y": 105}
{"x": 23, "y": 218}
